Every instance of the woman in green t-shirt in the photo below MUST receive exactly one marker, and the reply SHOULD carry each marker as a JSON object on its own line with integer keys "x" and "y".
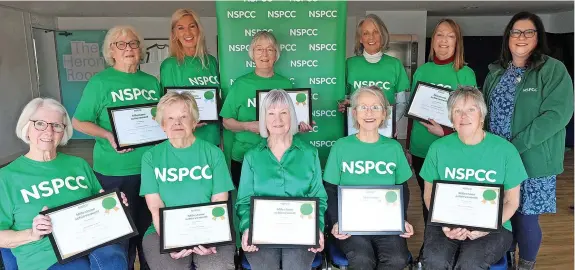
{"x": 371, "y": 66}
{"x": 202, "y": 177}
{"x": 41, "y": 179}
{"x": 280, "y": 166}
{"x": 239, "y": 109}
{"x": 122, "y": 84}
{"x": 190, "y": 64}
{"x": 390, "y": 167}
{"x": 471, "y": 155}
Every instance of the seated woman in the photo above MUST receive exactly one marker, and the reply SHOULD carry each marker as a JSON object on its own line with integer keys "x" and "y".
{"x": 284, "y": 166}
{"x": 369, "y": 114}
{"x": 26, "y": 189}
{"x": 178, "y": 115}
{"x": 470, "y": 148}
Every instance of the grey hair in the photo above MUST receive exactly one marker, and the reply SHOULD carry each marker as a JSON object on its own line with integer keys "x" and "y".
{"x": 172, "y": 97}
{"x": 265, "y": 35}
{"x": 384, "y": 33}
{"x": 464, "y": 93}
{"x": 113, "y": 34}
{"x": 277, "y": 97}
{"x": 377, "y": 92}
{"x": 30, "y": 109}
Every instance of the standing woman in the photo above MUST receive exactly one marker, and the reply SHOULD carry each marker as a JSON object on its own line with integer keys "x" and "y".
{"x": 530, "y": 101}
{"x": 190, "y": 64}
{"x": 371, "y": 66}
{"x": 121, "y": 84}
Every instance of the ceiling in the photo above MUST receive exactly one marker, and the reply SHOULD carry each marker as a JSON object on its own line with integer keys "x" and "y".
{"x": 207, "y": 8}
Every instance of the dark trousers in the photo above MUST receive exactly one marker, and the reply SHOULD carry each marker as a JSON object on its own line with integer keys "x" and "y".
{"x": 130, "y": 185}
{"x": 236, "y": 171}
{"x": 368, "y": 252}
{"x": 440, "y": 252}
{"x": 527, "y": 235}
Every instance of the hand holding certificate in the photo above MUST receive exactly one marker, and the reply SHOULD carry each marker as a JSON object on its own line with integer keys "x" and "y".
{"x": 82, "y": 226}
{"x": 301, "y": 99}
{"x": 135, "y": 126}
{"x": 207, "y": 99}
{"x": 430, "y": 102}
{"x": 466, "y": 205}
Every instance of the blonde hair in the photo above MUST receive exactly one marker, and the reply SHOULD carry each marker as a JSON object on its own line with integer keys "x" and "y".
{"x": 383, "y": 33}
{"x": 172, "y": 97}
{"x": 273, "y": 98}
{"x": 464, "y": 93}
{"x": 176, "y": 48}
{"x": 113, "y": 34}
{"x": 265, "y": 35}
{"x": 30, "y": 109}
{"x": 459, "y": 61}
{"x": 378, "y": 93}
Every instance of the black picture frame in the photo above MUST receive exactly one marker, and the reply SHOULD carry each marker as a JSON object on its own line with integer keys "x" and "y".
{"x": 474, "y": 228}
{"x": 228, "y": 204}
{"x": 386, "y": 187}
{"x": 310, "y": 100}
{"x": 393, "y": 122}
{"x": 218, "y": 98}
{"x": 279, "y": 245}
{"x": 413, "y": 96}
{"x": 115, "y": 133}
{"x": 54, "y": 244}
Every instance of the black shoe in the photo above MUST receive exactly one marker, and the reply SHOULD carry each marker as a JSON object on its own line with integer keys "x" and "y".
{"x": 510, "y": 259}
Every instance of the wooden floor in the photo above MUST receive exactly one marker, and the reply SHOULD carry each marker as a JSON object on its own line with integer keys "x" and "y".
{"x": 556, "y": 250}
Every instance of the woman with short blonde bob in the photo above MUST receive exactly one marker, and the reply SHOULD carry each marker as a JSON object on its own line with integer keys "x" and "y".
{"x": 178, "y": 115}
{"x": 369, "y": 107}
{"x": 44, "y": 125}
{"x": 470, "y": 149}
{"x": 122, "y": 84}
{"x": 190, "y": 64}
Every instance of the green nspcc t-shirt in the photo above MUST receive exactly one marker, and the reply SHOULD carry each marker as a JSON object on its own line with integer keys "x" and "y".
{"x": 387, "y": 74}
{"x": 191, "y": 73}
{"x": 240, "y": 105}
{"x": 352, "y": 162}
{"x": 27, "y": 185}
{"x": 440, "y": 75}
{"x": 493, "y": 161}
{"x": 184, "y": 176}
{"x": 112, "y": 88}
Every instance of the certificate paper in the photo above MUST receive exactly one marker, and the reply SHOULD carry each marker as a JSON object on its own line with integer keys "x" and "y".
{"x": 90, "y": 223}
{"x": 185, "y": 227}
{"x": 301, "y": 99}
{"x": 371, "y": 210}
{"x": 466, "y": 205}
{"x": 135, "y": 126}
{"x": 430, "y": 102}
{"x": 207, "y": 99}
{"x": 284, "y": 222}
{"x": 387, "y": 131}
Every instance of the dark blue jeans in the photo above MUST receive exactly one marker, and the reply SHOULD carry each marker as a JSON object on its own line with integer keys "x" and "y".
{"x": 8, "y": 259}
{"x": 130, "y": 185}
{"x": 439, "y": 252}
{"x": 380, "y": 252}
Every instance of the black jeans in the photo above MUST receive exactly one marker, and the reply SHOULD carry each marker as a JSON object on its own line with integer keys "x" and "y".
{"x": 130, "y": 185}
{"x": 440, "y": 252}
{"x": 380, "y": 252}
{"x": 236, "y": 171}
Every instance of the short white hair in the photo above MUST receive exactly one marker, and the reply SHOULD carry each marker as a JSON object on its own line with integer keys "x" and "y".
{"x": 172, "y": 97}
{"x": 273, "y": 98}
{"x": 378, "y": 93}
{"x": 113, "y": 34}
{"x": 464, "y": 93}
{"x": 264, "y": 35}
{"x": 30, "y": 109}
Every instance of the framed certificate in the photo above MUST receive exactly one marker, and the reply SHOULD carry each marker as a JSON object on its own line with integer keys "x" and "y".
{"x": 466, "y": 205}
{"x": 430, "y": 102}
{"x": 284, "y": 222}
{"x": 301, "y": 98}
{"x": 206, "y": 224}
{"x": 82, "y": 226}
{"x": 371, "y": 210}
{"x": 135, "y": 126}
{"x": 388, "y": 131}
{"x": 207, "y": 98}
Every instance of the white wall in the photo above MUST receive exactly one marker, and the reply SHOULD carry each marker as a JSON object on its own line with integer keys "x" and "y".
{"x": 561, "y": 23}
{"x": 46, "y": 62}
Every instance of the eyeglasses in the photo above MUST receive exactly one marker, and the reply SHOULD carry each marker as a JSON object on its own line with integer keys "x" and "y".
{"x": 373, "y": 108}
{"x": 516, "y": 33}
{"x": 122, "y": 45}
{"x": 42, "y": 125}
{"x": 260, "y": 51}
{"x": 468, "y": 112}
